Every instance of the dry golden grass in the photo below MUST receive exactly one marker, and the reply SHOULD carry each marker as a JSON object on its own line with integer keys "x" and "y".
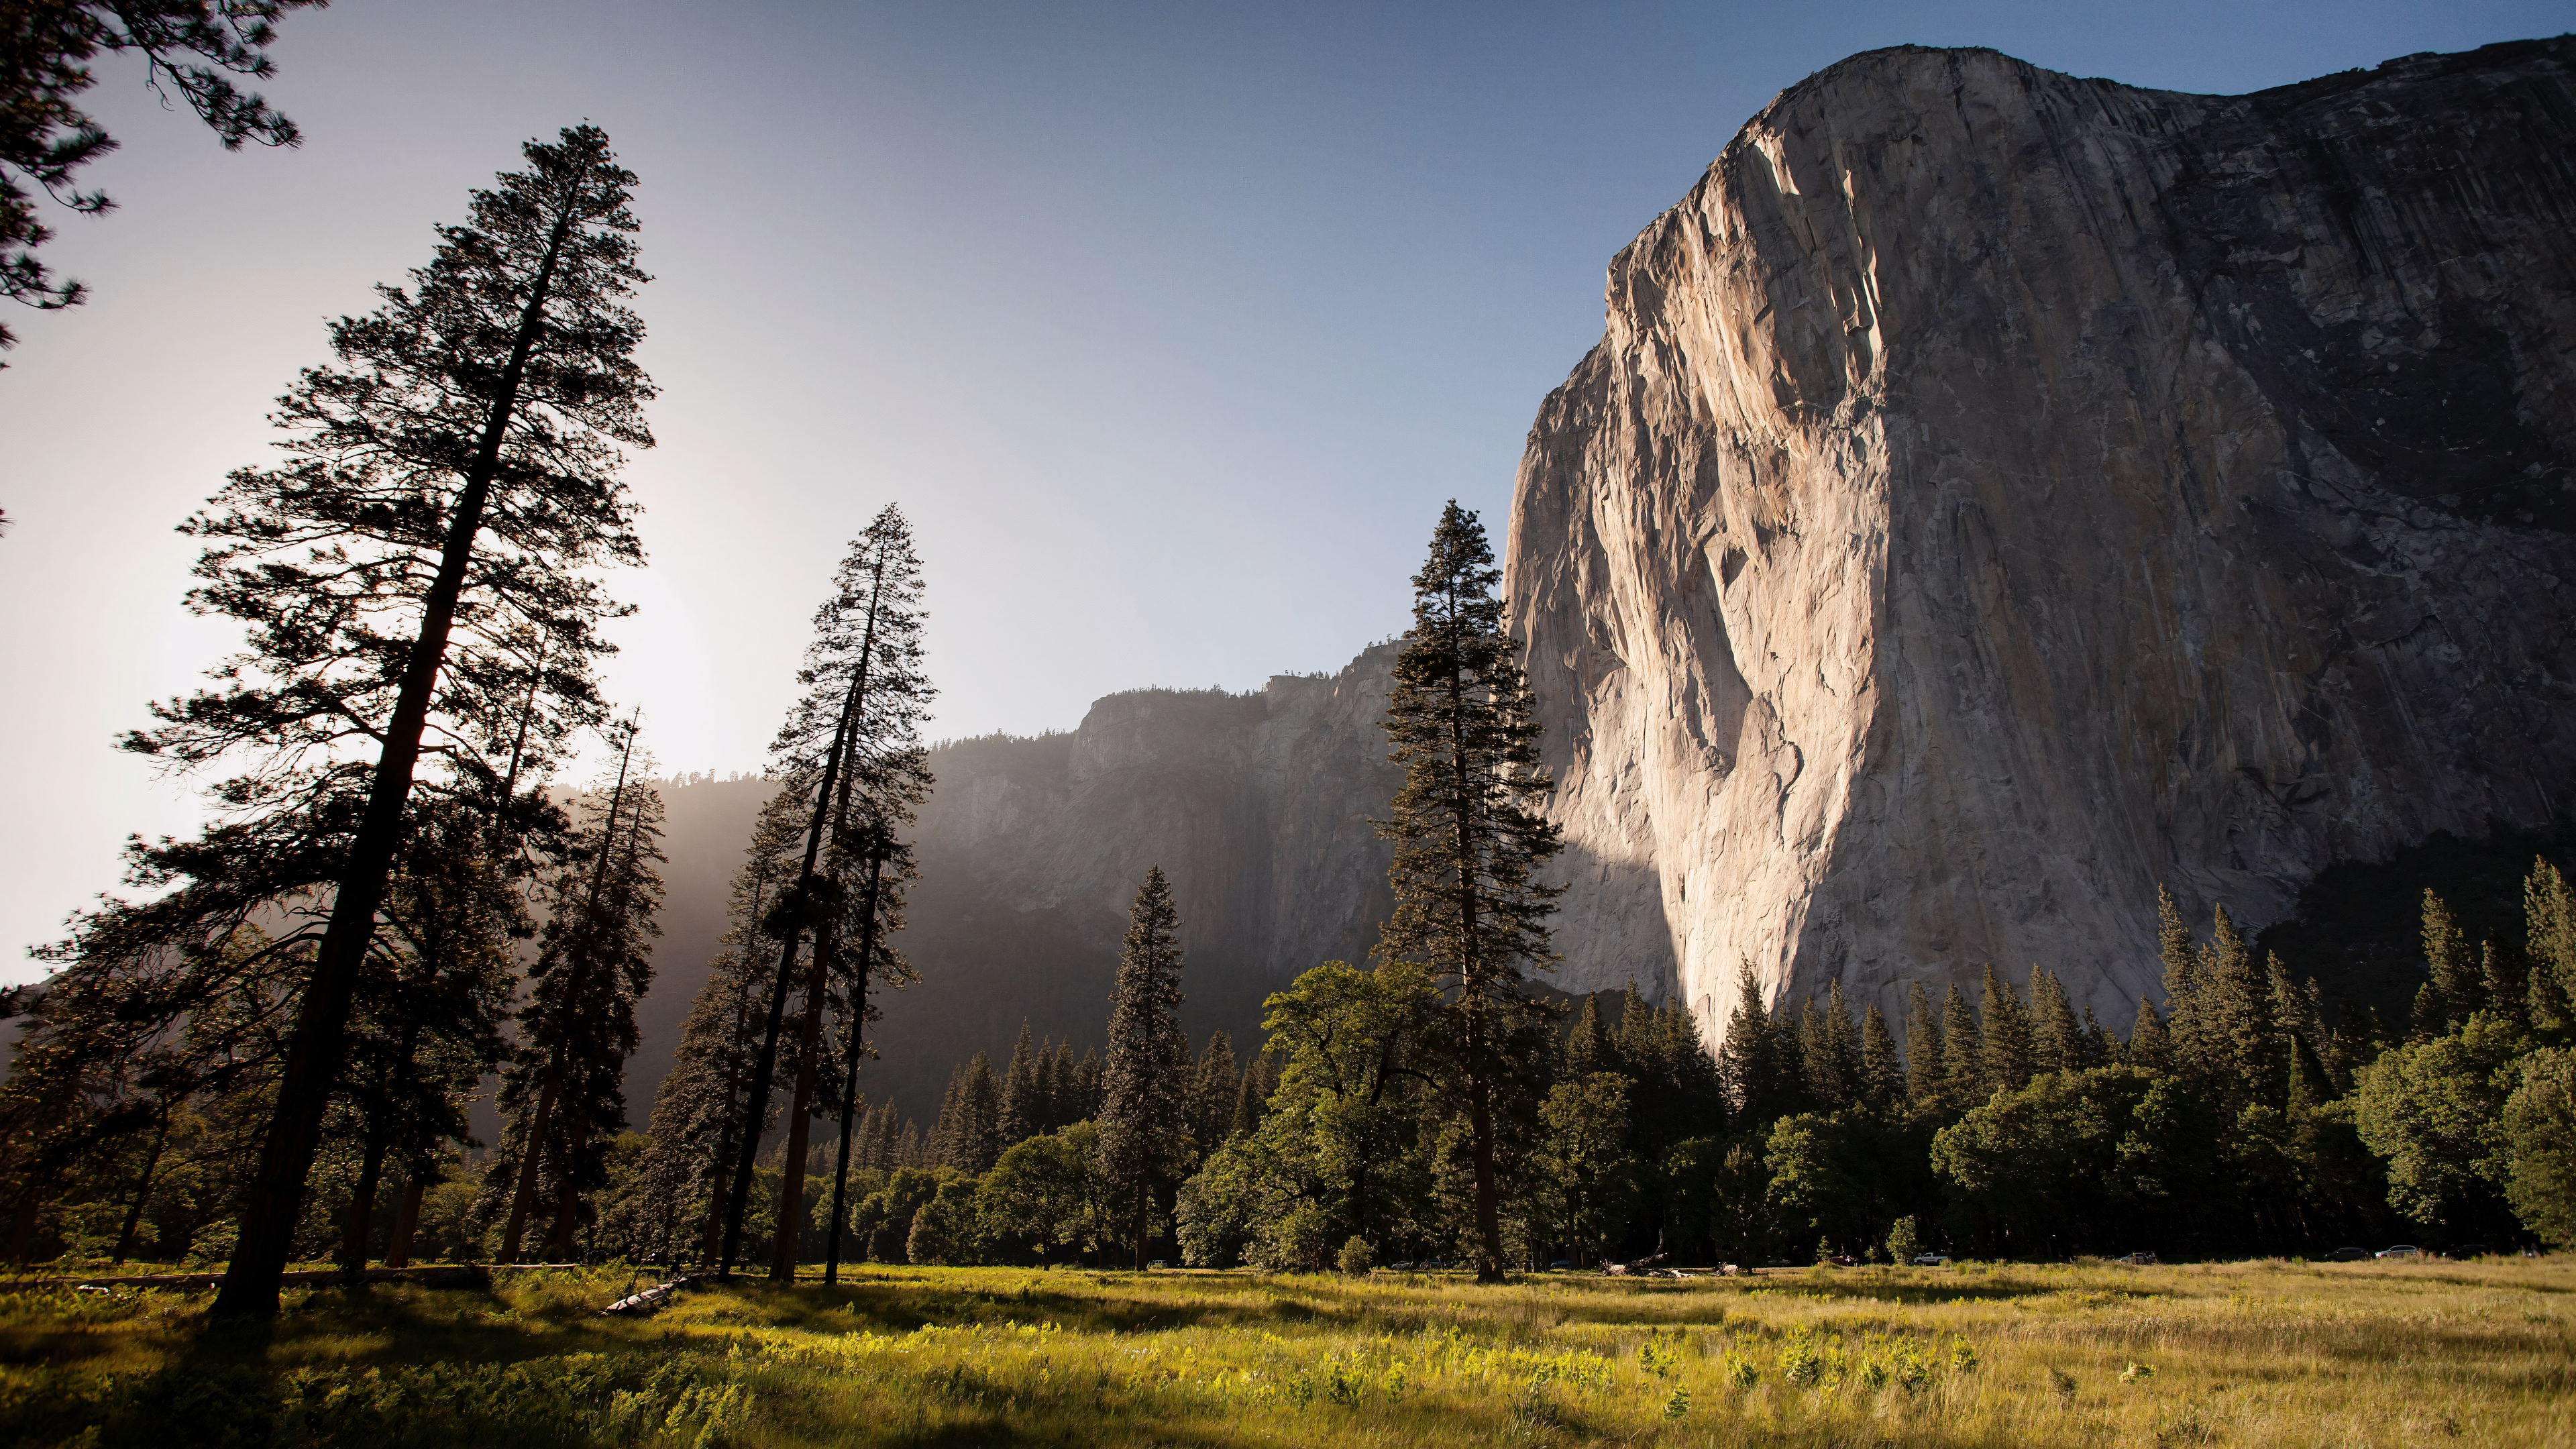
{"x": 2255, "y": 1353}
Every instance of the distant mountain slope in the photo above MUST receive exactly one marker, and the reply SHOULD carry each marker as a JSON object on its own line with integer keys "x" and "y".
{"x": 1256, "y": 805}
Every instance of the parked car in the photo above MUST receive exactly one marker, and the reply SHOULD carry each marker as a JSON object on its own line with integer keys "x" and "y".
{"x": 2469, "y": 1250}
{"x": 1844, "y": 1260}
{"x": 1932, "y": 1260}
{"x": 2139, "y": 1260}
{"x": 2402, "y": 1250}
{"x": 2347, "y": 1255}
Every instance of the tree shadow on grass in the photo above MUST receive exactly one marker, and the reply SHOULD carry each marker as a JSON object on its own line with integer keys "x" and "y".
{"x": 904, "y": 1305}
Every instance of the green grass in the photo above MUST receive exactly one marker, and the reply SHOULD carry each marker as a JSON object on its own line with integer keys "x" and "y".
{"x": 2256, "y": 1353}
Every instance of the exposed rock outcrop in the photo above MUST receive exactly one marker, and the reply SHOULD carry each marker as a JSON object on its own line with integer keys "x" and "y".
{"x": 1256, "y": 805}
{"x": 1996, "y": 493}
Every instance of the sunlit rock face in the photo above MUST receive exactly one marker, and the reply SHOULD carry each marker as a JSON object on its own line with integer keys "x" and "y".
{"x": 1996, "y": 493}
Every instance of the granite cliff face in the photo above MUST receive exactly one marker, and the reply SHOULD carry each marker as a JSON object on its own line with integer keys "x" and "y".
{"x": 1256, "y": 805}
{"x": 1996, "y": 493}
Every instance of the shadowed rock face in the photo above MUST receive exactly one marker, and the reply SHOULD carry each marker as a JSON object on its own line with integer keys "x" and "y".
{"x": 1996, "y": 493}
{"x": 1257, "y": 806}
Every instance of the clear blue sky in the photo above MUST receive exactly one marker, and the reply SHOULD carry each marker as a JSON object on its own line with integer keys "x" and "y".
{"x": 1172, "y": 325}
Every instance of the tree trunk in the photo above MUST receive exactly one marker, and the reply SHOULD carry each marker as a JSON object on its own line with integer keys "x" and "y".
{"x": 800, "y": 1121}
{"x": 274, "y": 1201}
{"x": 143, "y": 1190}
{"x": 850, "y": 1078}
{"x": 22, "y": 1231}
{"x": 406, "y": 1221}
{"x": 567, "y": 1213}
{"x": 523, "y": 1199}
{"x": 1472, "y": 987}
{"x": 709, "y": 1249}
{"x": 362, "y": 1206}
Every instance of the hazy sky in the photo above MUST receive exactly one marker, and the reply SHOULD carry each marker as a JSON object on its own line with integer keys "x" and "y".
{"x": 1171, "y": 326}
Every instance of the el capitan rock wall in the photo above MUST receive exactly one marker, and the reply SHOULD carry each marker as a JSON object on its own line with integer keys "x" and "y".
{"x": 1996, "y": 493}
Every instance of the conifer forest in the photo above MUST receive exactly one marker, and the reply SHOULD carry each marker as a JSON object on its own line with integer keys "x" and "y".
{"x": 404, "y": 1101}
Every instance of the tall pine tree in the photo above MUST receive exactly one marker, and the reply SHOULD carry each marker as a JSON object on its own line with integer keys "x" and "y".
{"x": 864, "y": 697}
{"x": 1756, "y": 1074}
{"x": 1923, "y": 1050}
{"x": 1023, "y": 1102}
{"x": 1144, "y": 1121}
{"x": 1213, "y": 1090}
{"x": 1469, "y": 842}
{"x": 566, "y": 1090}
{"x": 451, "y": 482}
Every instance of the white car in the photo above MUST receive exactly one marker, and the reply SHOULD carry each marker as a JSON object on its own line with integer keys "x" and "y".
{"x": 2402, "y": 1250}
{"x": 1932, "y": 1260}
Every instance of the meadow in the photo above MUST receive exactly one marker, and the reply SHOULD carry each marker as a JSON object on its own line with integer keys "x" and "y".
{"x": 2271, "y": 1353}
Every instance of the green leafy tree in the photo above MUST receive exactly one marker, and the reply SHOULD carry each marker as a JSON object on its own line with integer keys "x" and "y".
{"x": 1221, "y": 1209}
{"x": 1047, "y": 1194}
{"x": 1719, "y": 1188}
{"x": 1334, "y": 1150}
{"x": 1591, "y": 1178}
{"x": 1144, "y": 1111}
{"x": 2078, "y": 1161}
{"x": 2433, "y": 1110}
{"x": 1342, "y": 1111}
{"x": 883, "y": 1219}
{"x": 2540, "y": 1142}
{"x": 1469, "y": 840}
{"x": 947, "y": 1229}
